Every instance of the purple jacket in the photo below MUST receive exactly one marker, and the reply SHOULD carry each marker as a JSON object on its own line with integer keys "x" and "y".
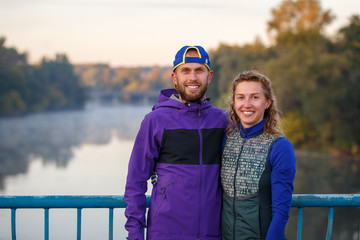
{"x": 182, "y": 143}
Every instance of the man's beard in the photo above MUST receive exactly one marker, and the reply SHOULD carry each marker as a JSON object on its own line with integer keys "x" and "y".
{"x": 191, "y": 97}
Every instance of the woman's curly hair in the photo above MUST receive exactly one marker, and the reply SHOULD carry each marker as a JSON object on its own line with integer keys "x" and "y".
{"x": 271, "y": 115}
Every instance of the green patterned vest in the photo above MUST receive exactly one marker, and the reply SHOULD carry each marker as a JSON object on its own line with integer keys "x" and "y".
{"x": 246, "y": 181}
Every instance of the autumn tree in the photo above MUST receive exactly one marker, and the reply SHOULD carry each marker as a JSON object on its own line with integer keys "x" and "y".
{"x": 297, "y": 16}
{"x": 316, "y": 78}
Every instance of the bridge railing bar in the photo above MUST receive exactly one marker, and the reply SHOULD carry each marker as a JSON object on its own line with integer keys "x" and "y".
{"x": 117, "y": 201}
{"x": 323, "y": 200}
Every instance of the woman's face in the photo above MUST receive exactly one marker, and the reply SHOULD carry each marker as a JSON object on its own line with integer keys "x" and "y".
{"x": 250, "y": 103}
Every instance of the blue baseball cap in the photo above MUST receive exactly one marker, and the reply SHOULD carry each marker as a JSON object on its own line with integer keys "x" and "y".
{"x": 180, "y": 57}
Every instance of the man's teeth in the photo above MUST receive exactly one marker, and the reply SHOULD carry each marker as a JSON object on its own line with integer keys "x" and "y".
{"x": 193, "y": 86}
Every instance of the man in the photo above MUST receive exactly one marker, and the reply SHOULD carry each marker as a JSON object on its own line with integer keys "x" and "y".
{"x": 180, "y": 140}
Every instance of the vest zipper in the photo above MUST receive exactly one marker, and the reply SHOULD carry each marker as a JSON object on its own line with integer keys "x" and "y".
{"x": 234, "y": 200}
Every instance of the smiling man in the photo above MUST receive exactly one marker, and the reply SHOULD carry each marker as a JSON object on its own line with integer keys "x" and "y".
{"x": 179, "y": 143}
{"x": 191, "y": 79}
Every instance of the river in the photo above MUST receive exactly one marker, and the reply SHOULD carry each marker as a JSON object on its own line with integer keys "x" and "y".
{"x": 86, "y": 153}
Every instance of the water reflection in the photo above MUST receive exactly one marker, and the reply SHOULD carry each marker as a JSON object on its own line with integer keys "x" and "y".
{"x": 319, "y": 174}
{"x": 52, "y": 137}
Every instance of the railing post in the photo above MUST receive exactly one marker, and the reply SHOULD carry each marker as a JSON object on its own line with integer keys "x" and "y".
{"x": 330, "y": 223}
{"x": 13, "y": 223}
{"x": 111, "y": 223}
{"x": 46, "y": 220}
{"x": 299, "y": 228}
{"x": 79, "y": 224}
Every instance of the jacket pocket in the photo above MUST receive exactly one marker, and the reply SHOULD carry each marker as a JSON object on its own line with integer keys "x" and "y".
{"x": 161, "y": 198}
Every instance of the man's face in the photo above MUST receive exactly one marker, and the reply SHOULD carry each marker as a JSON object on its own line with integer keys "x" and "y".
{"x": 191, "y": 79}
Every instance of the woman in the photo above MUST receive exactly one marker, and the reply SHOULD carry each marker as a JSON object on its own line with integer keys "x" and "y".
{"x": 258, "y": 164}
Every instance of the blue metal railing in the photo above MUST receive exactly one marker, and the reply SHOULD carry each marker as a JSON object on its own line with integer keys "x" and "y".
{"x": 323, "y": 200}
{"x": 79, "y": 202}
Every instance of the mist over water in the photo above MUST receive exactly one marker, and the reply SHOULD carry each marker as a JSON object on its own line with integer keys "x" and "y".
{"x": 67, "y": 153}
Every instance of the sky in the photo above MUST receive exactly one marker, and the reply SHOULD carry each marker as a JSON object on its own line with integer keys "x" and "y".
{"x": 139, "y": 32}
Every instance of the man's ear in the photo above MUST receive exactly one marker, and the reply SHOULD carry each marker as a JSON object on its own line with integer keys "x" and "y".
{"x": 211, "y": 74}
{"x": 173, "y": 76}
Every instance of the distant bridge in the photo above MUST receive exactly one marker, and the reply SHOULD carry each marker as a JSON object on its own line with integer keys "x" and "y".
{"x": 117, "y": 97}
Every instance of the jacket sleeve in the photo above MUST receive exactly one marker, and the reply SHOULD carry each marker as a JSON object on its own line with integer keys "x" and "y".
{"x": 282, "y": 162}
{"x": 141, "y": 166}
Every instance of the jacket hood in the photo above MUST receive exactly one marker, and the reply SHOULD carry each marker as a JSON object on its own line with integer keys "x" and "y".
{"x": 164, "y": 100}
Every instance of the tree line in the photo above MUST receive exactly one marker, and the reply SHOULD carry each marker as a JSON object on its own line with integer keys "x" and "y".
{"x": 24, "y": 88}
{"x": 56, "y": 84}
{"x": 316, "y": 77}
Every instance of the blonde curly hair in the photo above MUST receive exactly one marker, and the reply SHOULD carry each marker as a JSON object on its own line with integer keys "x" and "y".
{"x": 271, "y": 115}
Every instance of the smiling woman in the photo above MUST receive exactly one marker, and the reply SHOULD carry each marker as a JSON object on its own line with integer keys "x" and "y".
{"x": 258, "y": 164}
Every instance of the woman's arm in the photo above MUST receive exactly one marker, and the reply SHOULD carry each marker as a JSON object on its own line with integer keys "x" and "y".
{"x": 282, "y": 163}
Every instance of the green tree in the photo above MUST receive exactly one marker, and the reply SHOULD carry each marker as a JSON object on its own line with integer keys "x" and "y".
{"x": 228, "y": 61}
{"x": 11, "y": 104}
{"x": 24, "y": 88}
{"x": 12, "y": 80}
{"x": 349, "y": 40}
{"x": 63, "y": 86}
{"x": 315, "y": 77}
{"x": 349, "y": 43}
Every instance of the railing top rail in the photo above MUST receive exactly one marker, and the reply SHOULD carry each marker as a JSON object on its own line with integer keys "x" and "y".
{"x": 63, "y": 201}
{"x": 325, "y": 200}
{"x": 117, "y": 201}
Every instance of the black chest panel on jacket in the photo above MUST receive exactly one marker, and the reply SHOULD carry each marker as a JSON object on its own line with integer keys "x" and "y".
{"x": 191, "y": 146}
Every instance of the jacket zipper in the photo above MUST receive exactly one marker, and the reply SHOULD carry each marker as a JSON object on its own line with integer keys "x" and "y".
{"x": 201, "y": 162}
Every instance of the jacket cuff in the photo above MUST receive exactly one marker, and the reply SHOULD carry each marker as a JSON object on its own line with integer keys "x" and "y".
{"x": 138, "y": 235}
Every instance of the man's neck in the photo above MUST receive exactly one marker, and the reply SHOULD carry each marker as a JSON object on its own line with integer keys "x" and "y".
{"x": 175, "y": 97}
